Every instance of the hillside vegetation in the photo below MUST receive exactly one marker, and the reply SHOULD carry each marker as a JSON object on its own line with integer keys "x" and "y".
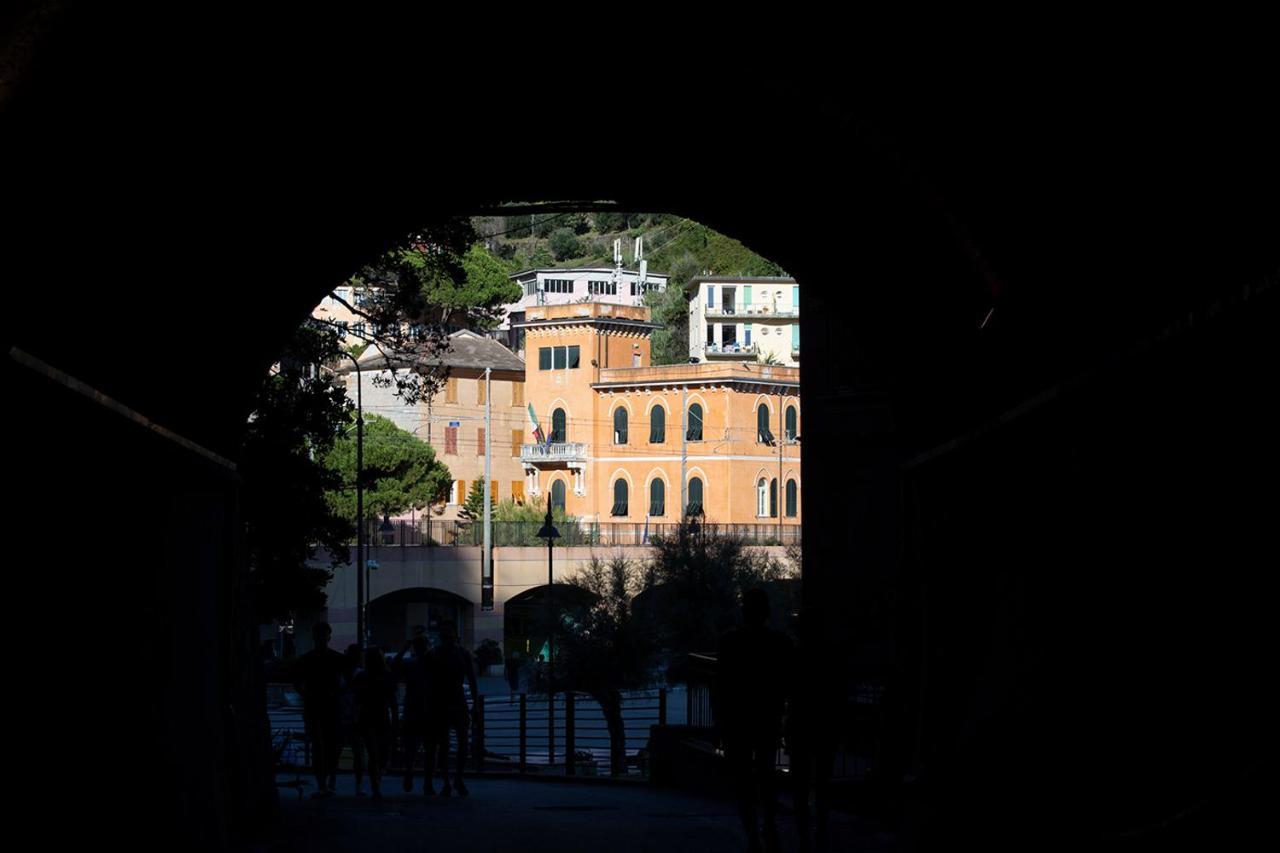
{"x": 676, "y": 247}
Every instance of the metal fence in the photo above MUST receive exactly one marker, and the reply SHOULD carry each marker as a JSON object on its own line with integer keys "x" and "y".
{"x": 523, "y": 733}
{"x": 412, "y": 534}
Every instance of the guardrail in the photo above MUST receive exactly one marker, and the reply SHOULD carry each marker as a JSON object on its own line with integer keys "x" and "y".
{"x": 522, "y": 733}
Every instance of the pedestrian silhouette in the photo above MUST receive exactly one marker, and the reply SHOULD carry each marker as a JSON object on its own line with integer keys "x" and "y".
{"x": 748, "y": 702}
{"x": 415, "y": 672}
{"x": 375, "y": 693}
{"x": 319, "y": 682}
{"x": 350, "y": 733}
{"x": 452, "y": 666}
{"x": 812, "y": 729}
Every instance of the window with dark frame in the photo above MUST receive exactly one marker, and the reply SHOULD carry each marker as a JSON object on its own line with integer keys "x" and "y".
{"x": 657, "y": 425}
{"x": 695, "y": 422}
{"x": 657, "y": 498}
{"x": 619, "y": 498}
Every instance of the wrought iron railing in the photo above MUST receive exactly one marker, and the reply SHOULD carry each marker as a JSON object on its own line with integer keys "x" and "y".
{"x": 430, "y": 533}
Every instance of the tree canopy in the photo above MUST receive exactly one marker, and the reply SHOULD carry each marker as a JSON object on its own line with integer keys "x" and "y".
{"x": 401, "y": 471}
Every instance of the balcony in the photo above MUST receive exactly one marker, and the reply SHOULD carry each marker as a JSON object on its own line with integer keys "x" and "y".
{"x": 556, "y": 452}
{"x": 749, "y": 311}
{"x": 730, "y": 350}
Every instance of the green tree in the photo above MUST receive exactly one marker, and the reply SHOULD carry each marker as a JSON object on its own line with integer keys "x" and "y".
{"x": 607, "y": 222}
{"x": 473, "y": 506}
{"x": 699, "y": 576}
{"x": 669, "y": 344}
{"x": 287, "y": 518}
{"x": 400, "y": 471}
{"x": 438, "y": 279}
{"x": 604, "y": 646}
{"x": 563, "y": 244}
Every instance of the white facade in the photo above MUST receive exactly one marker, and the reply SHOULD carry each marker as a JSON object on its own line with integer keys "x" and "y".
{"x": 744, "y": 319}
{"x": 585, "y": 284}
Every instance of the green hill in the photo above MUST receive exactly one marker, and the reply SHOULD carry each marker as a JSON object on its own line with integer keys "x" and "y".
{"x": 676, "y": 247}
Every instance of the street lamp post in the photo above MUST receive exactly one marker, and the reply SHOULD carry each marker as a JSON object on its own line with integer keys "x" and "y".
{"x": 360, "y": 525}
{"x": 549, "y": 533}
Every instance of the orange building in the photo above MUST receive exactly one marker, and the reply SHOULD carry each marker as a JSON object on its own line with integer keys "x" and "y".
{"x": 620, "y": 430}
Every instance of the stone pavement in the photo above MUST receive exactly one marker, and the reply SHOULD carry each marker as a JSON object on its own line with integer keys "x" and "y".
{"x": 528, "y": 816}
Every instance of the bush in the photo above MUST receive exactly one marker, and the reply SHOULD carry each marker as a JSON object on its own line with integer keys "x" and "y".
{"x": 488, "y": 653}
{"x": 607, "y": 222}
{"x": 563, "y": 244}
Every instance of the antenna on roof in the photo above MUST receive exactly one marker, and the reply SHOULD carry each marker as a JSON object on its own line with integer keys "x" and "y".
{"x": 644, "y": 269}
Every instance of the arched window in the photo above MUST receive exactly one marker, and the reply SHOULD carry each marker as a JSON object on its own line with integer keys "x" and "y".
{"x": 695, "y": 497}
{"x": 557, "y": 495}
{"x": 763, "y": 434}
{"x": 792, "y": 423}
{"x": 657, "y": 498}
{"x": 695, "y": 423}
{"x": 773, "y": 498}
{"x": 762, "y": 497}
{"x": 657, "y": 425}
{"x": 619, "y": 497}
{"x": 558, "y": 426}
{"x": 619, "y": 425}
{"x": 793, "y": 496}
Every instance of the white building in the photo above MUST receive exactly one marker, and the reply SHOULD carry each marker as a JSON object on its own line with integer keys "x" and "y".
{"x": 737, "y": 318}
{"x": 583, "y": 284}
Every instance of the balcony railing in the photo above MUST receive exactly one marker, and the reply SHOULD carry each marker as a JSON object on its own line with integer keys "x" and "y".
{"x": 427, "y": 533}
{"x": 731, "y": 349}
{"x": 560, "y": 451}
{"x": 750, "y": 311}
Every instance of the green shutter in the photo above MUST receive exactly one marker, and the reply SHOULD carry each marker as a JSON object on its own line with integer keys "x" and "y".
{"x": 746, "y": 295}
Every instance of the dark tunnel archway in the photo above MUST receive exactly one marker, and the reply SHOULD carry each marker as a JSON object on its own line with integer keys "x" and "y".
{"x": 931, "y": 505}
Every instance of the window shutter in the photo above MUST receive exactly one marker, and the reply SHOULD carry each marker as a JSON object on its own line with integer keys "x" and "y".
{"x": 480, "y": 391}
{"x": 462, "y": 492}
{"x": 493, "y": 492}
{"x": 451, "y": 390}
{"x": 517, "y": 491}
{"x": 451, "y": 440}
{"x": 517, "y": 393}
{"x": 480, "y": 441}
{"x": 517, "y": 439}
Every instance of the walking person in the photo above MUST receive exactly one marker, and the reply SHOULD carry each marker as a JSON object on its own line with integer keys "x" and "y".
{"x": 375, "y": 693}
{"x": 448, "y": 707}
{"x": 748, "y": 703}
{"x": 415, "y": 672}
{"x": 347, "y": 717}
{"x": 319, "y": 682}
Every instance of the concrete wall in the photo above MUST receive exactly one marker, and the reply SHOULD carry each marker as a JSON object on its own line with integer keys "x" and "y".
{"x": 457, "y": 570}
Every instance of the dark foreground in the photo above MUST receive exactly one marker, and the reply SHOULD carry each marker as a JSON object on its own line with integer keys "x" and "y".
{"x": 531, "y": 817}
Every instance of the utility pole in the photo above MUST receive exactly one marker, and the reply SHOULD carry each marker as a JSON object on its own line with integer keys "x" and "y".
{"x": 486, "y": 559}
{"x": 684, "y": 450}
{"x": 782, "y": 440}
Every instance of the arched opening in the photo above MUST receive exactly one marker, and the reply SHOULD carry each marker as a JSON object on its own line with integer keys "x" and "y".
{"x": 764, "y": 435}
{"x": 695, "y": 497}
{"x": 762, "y": 498}
{"x": 695, "y": 422}
{"x": 620, "y": 425}
{"x": 394, "y": 616}
{"x": 526, "y": 617}
{"x": 657, "y": 498}
{"x": 558, "y": 426}
{"x": 792, "y": 423}
{"x": 793, "y": 498}
{"x": 657, "y": 425}
{"x": 620, "y": 508}
{"x": 558, "y": 495}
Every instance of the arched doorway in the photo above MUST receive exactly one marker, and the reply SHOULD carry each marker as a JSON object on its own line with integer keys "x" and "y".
{"x": 525, "y": 617}
{"x": 392, "y": 617}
